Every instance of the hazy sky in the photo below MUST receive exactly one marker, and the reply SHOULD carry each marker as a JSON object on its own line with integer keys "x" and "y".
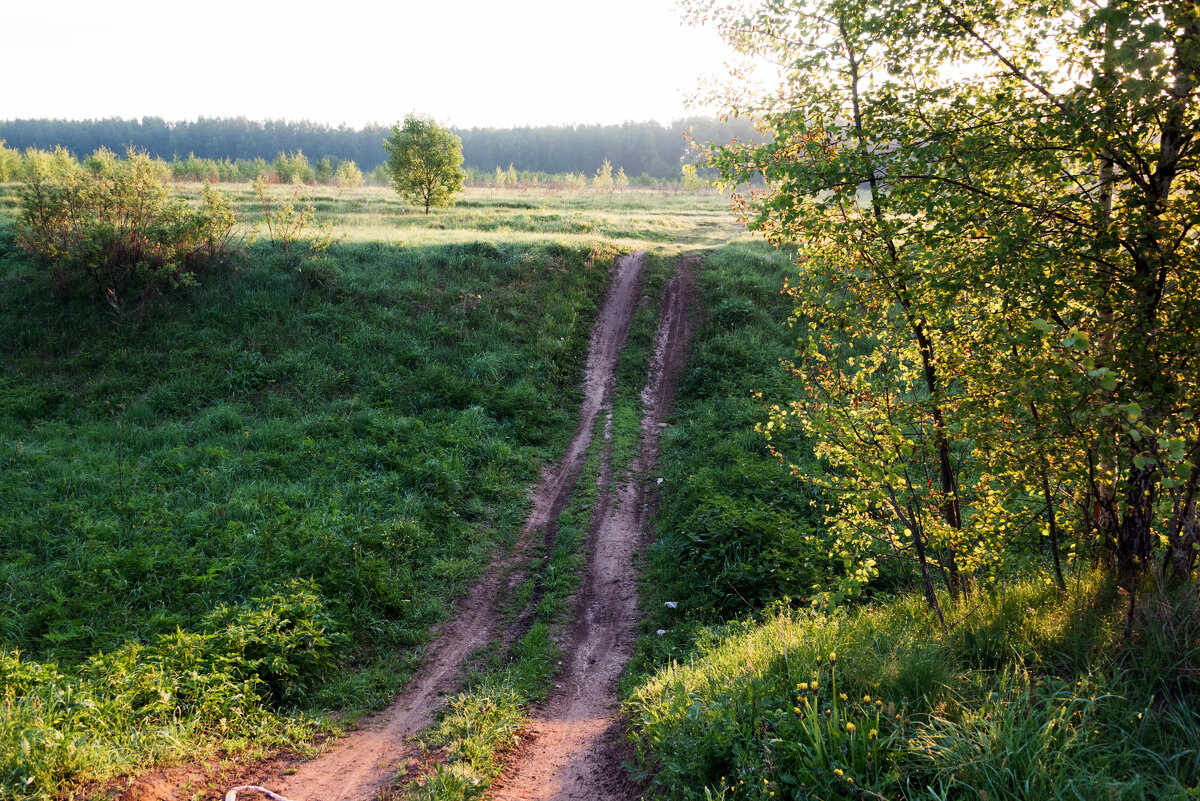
{"x": 466, "y": 62}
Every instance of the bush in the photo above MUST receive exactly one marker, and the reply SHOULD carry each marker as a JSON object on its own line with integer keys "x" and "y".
{"x": 10, "y": 163}
{"x": 349, "y": 175}
{"x": 117, "y": 226}
{"x": 57, "y": 163}
{"x": 293, "y": 168}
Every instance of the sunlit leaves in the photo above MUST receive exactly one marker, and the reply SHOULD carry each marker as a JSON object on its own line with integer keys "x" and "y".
{"x": 995, "y": 207}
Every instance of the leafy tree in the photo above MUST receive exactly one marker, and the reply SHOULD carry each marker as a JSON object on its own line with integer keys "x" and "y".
{"x": 425, "y": 160}
{"x": 995, "y": 255}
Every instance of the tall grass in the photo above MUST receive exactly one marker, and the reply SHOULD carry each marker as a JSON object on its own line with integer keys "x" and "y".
{"x": 739, "y": 690}
{"x": 1019, "y": 701}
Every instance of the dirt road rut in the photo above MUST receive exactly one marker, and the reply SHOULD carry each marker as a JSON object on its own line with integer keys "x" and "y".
{"x": 576, "y": 745}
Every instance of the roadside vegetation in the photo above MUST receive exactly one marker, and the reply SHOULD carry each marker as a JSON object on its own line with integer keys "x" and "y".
{"x": 971, "y": 571}
{"x": 732, "y": 694}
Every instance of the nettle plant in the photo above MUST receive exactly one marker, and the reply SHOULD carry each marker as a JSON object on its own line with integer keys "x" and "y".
{"x": 114, "y": 225}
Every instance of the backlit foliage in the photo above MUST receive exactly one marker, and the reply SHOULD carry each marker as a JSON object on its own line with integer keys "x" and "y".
{"x": 995, "y": 303}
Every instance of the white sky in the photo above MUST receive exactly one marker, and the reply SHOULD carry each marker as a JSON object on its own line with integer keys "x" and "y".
{"x": 466, "y": 62}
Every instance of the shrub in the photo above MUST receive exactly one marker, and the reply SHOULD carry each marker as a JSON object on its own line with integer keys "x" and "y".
{"x": 10, "y": 163}
{"x": 249, "y": 169}
{"x": 287, "y": 639}
{"x": 349, "y": 176}
{"x": 195, "y": 169}
{"x": 324, "y": 170}
{"x": 117, "y": 226}
{"x": 293, "y": 168}
{"x": 603, "y": 179}
{"x": 57, "y": 163}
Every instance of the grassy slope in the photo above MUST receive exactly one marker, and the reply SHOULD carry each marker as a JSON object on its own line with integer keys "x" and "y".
{"x": 241, "y": 501}
{"x": 1029, "y": 696}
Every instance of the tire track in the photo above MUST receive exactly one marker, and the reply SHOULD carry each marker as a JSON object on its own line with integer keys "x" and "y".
{"x": 575, "y": 743}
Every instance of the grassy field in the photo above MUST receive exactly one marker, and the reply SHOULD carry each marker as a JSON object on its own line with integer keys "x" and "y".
{"x": 629, "y": 219}
{"x": 236, "y": 510}
{"x": 228, "y": 520}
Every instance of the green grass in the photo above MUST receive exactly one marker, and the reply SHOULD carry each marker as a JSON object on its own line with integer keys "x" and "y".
{"x": 631, "y": 219}
{"x": 1026, "y": 699}
{"x": 241, "y": 507}
{"x": 734, "y": 527}
{"x": 480, "y": 724}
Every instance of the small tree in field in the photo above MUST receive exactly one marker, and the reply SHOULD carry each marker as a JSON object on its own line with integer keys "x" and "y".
{"x": 349, "y": 176}
{"x": 603, "y": 179}
{"x": 425, "y": 161}
{"x": 10, "y": 163}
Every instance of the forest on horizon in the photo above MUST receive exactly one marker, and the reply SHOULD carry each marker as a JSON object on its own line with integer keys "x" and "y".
{"x": 641, "y": 148}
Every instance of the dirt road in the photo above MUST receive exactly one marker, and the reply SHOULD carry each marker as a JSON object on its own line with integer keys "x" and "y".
{"x": 576, "y": 744}
{"x": 365, "y": 761}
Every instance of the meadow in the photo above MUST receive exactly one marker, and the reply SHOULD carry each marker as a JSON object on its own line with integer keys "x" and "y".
{"x": 230, "y": 517}
{"x": 237, "y": 510}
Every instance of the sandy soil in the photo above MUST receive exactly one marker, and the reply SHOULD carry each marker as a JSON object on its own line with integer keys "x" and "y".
{"x": 575, "y": 744}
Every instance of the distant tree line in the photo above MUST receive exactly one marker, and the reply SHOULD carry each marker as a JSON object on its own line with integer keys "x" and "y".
{"x": 640, "y": 148}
